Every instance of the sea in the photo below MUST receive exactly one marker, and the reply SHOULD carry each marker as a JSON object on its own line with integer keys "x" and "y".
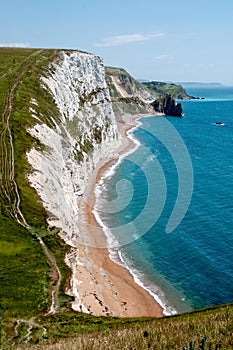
{"x": 167, "y": 205}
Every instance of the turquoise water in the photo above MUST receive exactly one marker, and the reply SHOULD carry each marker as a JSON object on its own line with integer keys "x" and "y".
{"x": 192, "y": 266}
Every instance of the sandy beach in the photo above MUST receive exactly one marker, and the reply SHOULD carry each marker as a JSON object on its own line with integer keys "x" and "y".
{"x": 104, "y": 287}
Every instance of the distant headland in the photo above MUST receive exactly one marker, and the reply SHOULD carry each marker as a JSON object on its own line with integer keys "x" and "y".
{"x": 192, "y": 84}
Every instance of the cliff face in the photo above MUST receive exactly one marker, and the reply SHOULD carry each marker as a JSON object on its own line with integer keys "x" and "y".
{"x": 73, "y": 144}
{"x": 122, "y": 83}
{"x": 127, "y": 94}
{"x": 67, "y": 126}
{"x": 130, "y": 96}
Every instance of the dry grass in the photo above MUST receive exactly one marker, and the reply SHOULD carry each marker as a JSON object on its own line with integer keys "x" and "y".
{"x": 207, "y": 329}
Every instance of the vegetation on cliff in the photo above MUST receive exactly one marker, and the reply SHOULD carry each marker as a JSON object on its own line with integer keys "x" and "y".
{"x": 127, "y": 94}
{"x": 130, "y": 96}
{"x": 175, "y": 91}
{"x": 30, "y": 270}
{"x": 26, "y": 270}
{"x": 167, "y": 105}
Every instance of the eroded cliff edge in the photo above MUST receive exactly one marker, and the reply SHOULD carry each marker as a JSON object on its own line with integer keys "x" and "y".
{"x": 73, "y": 145}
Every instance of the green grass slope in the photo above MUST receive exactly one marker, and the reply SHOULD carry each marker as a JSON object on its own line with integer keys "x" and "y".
{"x": 134, "y": 95}
{"x": 207, "y": 329}
{"x": 130, "y": 96}
{"x": 25, "y": 270}
{"x": 162, "y": 89}
{"x": 28, "y": 269}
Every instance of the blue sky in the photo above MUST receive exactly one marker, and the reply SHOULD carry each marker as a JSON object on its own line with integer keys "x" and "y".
{"x": 172, "y": 40}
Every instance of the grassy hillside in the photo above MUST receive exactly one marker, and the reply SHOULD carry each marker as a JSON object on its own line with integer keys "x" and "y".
{"x": 127, "y": 94}
{"x": 204, "y": 330}
{"x": 160, "y": 88}
{"x": 130, "y": 85}
{"x": 25, "y": 268}
{"x": 130, "y": 96}
{"x": 31, "y": 256}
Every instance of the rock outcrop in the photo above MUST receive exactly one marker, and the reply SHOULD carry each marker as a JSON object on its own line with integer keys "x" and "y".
{"x": 130, "y": 96}
{"x": 168, "y": 106}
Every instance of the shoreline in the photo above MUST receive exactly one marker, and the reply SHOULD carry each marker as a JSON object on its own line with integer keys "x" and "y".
{"x": 105, "y": 286}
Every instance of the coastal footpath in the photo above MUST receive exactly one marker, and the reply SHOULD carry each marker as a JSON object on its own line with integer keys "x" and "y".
{"x": 65, "y": 119}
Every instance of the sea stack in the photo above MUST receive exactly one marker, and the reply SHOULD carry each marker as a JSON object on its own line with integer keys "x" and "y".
{"x": 168, "y": 106}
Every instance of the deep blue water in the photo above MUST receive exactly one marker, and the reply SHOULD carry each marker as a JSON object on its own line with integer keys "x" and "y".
{"x": 192, "y": 266}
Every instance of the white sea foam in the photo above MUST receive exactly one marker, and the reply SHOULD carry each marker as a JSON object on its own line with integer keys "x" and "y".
{"x": 108, "y": 173}
{"x": 115, "y": 253}
{"x": 153, "y": 290}
{"x": 116, "y": 256}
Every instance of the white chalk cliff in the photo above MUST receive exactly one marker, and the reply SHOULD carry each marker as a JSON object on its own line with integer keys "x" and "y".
{"x": 75, "y": 144}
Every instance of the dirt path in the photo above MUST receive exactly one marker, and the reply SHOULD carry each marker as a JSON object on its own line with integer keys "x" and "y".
{"x": 119, "y": 88}
{"x": 9, "y": 190}
{"x": 8, "y": 184}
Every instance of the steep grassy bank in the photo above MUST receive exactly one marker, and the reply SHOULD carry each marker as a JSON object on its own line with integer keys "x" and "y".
{"x": 127, "y": 94}
{"x": 130, "y": 96}
{"x": 25, "y": 272}
{"x": 28, "y": 274}
{"x": 207, "y": 329}
{"x": 174, "y": 90}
